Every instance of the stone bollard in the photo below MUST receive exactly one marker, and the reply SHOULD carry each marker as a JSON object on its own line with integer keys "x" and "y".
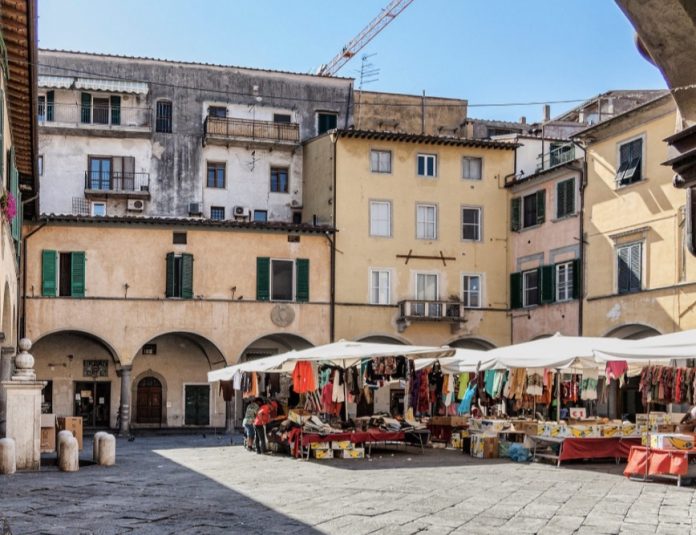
{"x": 8, "y": 461}
{"x": 69, "y": 456}
{"x": 95, "y": 445}
{"x": 107, "y": 450}
{"x": 62, "y": 437}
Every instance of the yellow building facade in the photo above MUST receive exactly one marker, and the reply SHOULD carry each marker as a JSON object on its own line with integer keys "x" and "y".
{"x": 421, "y": 242}
{"x": 640, "y": 280}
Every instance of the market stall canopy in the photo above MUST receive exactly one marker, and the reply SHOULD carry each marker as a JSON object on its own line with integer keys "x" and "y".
{"x": 463, "y": 360}
{"x": 258, "y": 365}
{"x": 557, "y": 352}
{"x": 656, "y": 349}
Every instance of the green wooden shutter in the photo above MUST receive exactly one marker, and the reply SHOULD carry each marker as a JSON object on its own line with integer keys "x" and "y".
{"x": 49, "y": 259}
{"x": 541, "y": 206}
{"x": 263, "y": 267}
{"x": 77, "y": 274}
{"x": 302, "y": 280}
{"x": 547, "y": 284}
{"x": 50, "y": 101}
{"x": 561, "y": 200}
{"x": 515, "y": 213}
{"x": 515, "y": 290}
{"x": 115, "y": 110}
{"x": 171, "y": 274}
{"x": 86, "y": 109}
{"x": 576, "y": 278}
{"x": 187, "y": 276}
{"x": 570, "y": 196}
{"x": 16, "y": 223}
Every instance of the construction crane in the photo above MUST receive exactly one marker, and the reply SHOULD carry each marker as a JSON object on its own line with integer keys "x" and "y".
{"x": 354, "y": 46}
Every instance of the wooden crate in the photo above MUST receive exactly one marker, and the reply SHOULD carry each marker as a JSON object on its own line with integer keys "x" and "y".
{"x": 73, "y": 424}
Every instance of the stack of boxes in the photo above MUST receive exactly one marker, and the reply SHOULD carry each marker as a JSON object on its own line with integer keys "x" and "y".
{"x": 342, "y": 449}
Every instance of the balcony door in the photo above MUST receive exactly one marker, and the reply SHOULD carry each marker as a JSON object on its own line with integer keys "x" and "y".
{"x": 427, "y": 290}
{"x": 99, "y": 173}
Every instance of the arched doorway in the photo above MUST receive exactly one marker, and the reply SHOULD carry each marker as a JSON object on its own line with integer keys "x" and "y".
{"x": 472, "y": 343}
{"x": 633, "y": 331}
{"x": 149, "y": 401}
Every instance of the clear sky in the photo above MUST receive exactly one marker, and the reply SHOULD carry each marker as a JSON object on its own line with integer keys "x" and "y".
{"x": 487, "y": 51}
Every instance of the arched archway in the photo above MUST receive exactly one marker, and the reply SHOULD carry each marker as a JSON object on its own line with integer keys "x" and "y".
{"x": 382, "y": 339}
{"x": 149, "y": 398}
{"x": 633, "y": 331}
{"x": 80, "y": 369}
{"x": 472, "y": 343}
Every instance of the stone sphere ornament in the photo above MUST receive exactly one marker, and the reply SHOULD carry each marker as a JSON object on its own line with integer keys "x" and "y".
{"x": 24, "y": 362}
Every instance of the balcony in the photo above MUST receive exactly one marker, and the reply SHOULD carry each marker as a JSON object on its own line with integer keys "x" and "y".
{"x": 441, "y": 311}
{"x": 117, "y": 184}
{"x": 558, "y": 154}
{"x": 231, "y": 131}
{"x": 102, "y": 118}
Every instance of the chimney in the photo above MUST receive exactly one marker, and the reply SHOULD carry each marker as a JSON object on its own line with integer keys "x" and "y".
{"x": 547, "y": 112}
{"x": 523, "y": 120}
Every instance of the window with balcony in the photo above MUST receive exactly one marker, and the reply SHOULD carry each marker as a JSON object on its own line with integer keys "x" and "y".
{"x": 279, "y": 180}
{"x": 216, "y": 175}
{"x": 471, "y": 224}
{"x": 163, "y": 117}
{"x": 284, "y": 118}
{"x": 326, "y": 121}
{"x": 471, "y": 291}
{"x": 528, "y": 211}
{"x": 217, "y": 111}
{"x": 565, "y": 198}
{"x": 217, "y": 213}
{"x": 179, "y": 275}
{"x": 471, "y": 168}
{"x": 380, "y": 287}
{"x": 62, "y": 274}
{"x": 426, "y": 165}
{"x": 560, "y": 153}
{"x": 380, "y": 161}
{"x": 113, "y": 173}
{"x": 427, "y": 289}
{"x": 629, "y": 268}
{"x": 630, "y": 162}
{"x": 100, "y": 109}
{"x": 282, "y": 279}
{"x": 380, "y": 218}
{"x": 426, "y": 222}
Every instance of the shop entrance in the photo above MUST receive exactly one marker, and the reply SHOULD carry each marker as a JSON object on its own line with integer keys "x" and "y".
{"x": 197, "y": 409}
{"x": 149, "y": 401}
{"x": 92, "y": 402}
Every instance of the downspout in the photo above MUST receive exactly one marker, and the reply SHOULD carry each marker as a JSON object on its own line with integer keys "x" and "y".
{"x": 21, "y": 317}
{"x": 508, "y": 249}
{"x": 581, "y": 255}
{"x": 332, "y": 306}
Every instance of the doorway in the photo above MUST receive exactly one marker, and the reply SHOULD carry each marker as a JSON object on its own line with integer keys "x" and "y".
{"x": 93, "y": 402}
{"x": 197, "y": 405}
{"x": 149, "y": 401}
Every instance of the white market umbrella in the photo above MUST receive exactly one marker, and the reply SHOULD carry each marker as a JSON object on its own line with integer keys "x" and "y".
{"x": 655, "y": 349}
{"x": 258, "y": 365}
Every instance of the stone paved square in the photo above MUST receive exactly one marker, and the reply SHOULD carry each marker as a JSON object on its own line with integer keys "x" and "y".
{"x": 196, "y": 484}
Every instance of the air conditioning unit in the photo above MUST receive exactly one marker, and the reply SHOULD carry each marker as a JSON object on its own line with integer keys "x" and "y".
{"x": 194, "y": 208}
{"x": 239, "y": 211}
{"x": 136, "y": 205}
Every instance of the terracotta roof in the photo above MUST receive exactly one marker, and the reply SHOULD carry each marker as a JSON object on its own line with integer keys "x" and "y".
{"x": 302, "y": 228}
{"x": 424, "y": 138}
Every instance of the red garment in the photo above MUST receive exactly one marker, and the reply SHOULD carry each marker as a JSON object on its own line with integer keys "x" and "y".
{"x": 327, "y": 403}
{"x": 264, "y": 415}
{"x": 616, "y": 369}
{"x": 303, "y": 378}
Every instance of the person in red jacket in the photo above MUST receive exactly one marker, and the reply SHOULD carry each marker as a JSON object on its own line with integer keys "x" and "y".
{"x": 263, "y": 416}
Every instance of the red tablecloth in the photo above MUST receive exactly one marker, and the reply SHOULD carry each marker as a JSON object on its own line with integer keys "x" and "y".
{"x": 597, "y": 448}
{"x": 356, "y": 437}
{"x": 660, "y": 462}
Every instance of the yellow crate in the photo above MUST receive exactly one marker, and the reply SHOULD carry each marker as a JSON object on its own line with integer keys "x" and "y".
{"x": 320, "y": 446}
{"x": 323, "y": 454}
{"x": 341, "y": 445}
{"x": 355, "y": 453}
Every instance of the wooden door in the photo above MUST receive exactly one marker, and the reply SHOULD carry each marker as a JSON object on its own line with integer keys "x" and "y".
{"x": 149, "y": 401}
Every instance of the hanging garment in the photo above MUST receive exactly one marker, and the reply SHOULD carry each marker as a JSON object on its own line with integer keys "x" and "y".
{"x": 489, "y": 378}
{"x": 517, "y": 380}
{"x": 303, "y": 377}
{"x": 588, "y": 388}
{"x": 337, "y": 395}
{"x": 463, "y": 383}
{"x": 448, "y": 390}
{"x": 227, "y": 390}
{"x": 616, "y": 369}
{"x": 253, "y": 386}
{"x": 237, "y": 380}
{"x": 498, "y": 383}
{"x": 535, "y": 381}
{"x": 465, "y": 405}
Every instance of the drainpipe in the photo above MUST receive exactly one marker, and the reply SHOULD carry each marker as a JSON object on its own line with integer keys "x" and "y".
{"x": 332, "y": 243}
{"x": 21, "y": 316}
{"x": 581, "y": 257}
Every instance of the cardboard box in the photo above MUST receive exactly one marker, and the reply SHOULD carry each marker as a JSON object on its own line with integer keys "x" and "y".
{"x": 341, "y": 445}
{"x": 323, "y": 454}
{"x": 611, "y": 430}
{"x": 355, "y": 453}
{"x": 583, "y": 431}
{"x": 671, "y": 441}
{"x": 455, "y": 441}
{"x": 320, "y": 446}
{"x": 73, "y": 424}
{"x": 628, "y": 429}
{"x": 453, "y": 421}
{"x": 484, "y": 446}
{"x": 48, "y": 439}
{"x": 529, "y": 427}
{"x": 553, "y": 429}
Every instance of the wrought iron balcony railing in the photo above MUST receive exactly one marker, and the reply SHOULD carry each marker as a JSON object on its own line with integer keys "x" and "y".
{"x": 77, "y": 115}
{"x": 425, "y": 310}
{"x": 117, "y": 182}
{"x": 229, "y": 128}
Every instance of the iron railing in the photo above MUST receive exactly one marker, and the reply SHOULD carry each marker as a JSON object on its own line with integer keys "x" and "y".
{"x": 558, "y": 155}
{"x": 229, "y": 127}
{"x": 117, "y": 181}
{"x": 428, "y": 310}
{"x": 60, "y": 114}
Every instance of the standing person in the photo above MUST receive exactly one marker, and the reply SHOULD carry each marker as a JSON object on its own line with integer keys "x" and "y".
{"x": 263, "y": 416}
{"x": 248, "y": 422}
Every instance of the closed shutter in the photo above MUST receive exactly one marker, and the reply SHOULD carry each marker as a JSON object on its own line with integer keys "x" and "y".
{"x": 515, "y": 213}
{"x": 302, "y": 282}
{"x": 86, "y": 110}
{"x": 77, "y": 274}
{"x": 187, "y": 276}
{"x": 541, "y": 206}
{"x": 16, "y": 223}
{"x": 624, "y": 270}
{"x": 263, "y": 267}
{"x": 171, "y": 275}
{"x": 50, "y": 101}
{"x": 49, "y": 260}
{"x": 560, "y": 199}
{"x": 570, "y": 197}
{"x": 576, "y": 278}
{"x": 115, "y": 110}
{"x": 636, "y": 267}
{"x": 547, "y": 284}
{"x": 515, "y": 290}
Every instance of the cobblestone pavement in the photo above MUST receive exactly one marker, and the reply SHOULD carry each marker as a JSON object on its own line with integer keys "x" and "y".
{"x": 192, "y": 484}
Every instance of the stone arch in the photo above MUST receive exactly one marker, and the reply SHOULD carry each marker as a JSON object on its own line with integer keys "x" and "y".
{"x": 277, "y": 342}
{"x": 80, "y": 333}
{"x": 632, "y": 331}
{"x": 379, "y": 338}
{"x": 471, "y": 343}
{"x": 134, "y": 394}
{"x": 210, "y": 349}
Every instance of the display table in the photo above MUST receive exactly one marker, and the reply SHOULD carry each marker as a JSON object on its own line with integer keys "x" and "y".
{"x": 572, "y": 448}
{"x": 299, "y": 440}
{"x": 645, "y": 463}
